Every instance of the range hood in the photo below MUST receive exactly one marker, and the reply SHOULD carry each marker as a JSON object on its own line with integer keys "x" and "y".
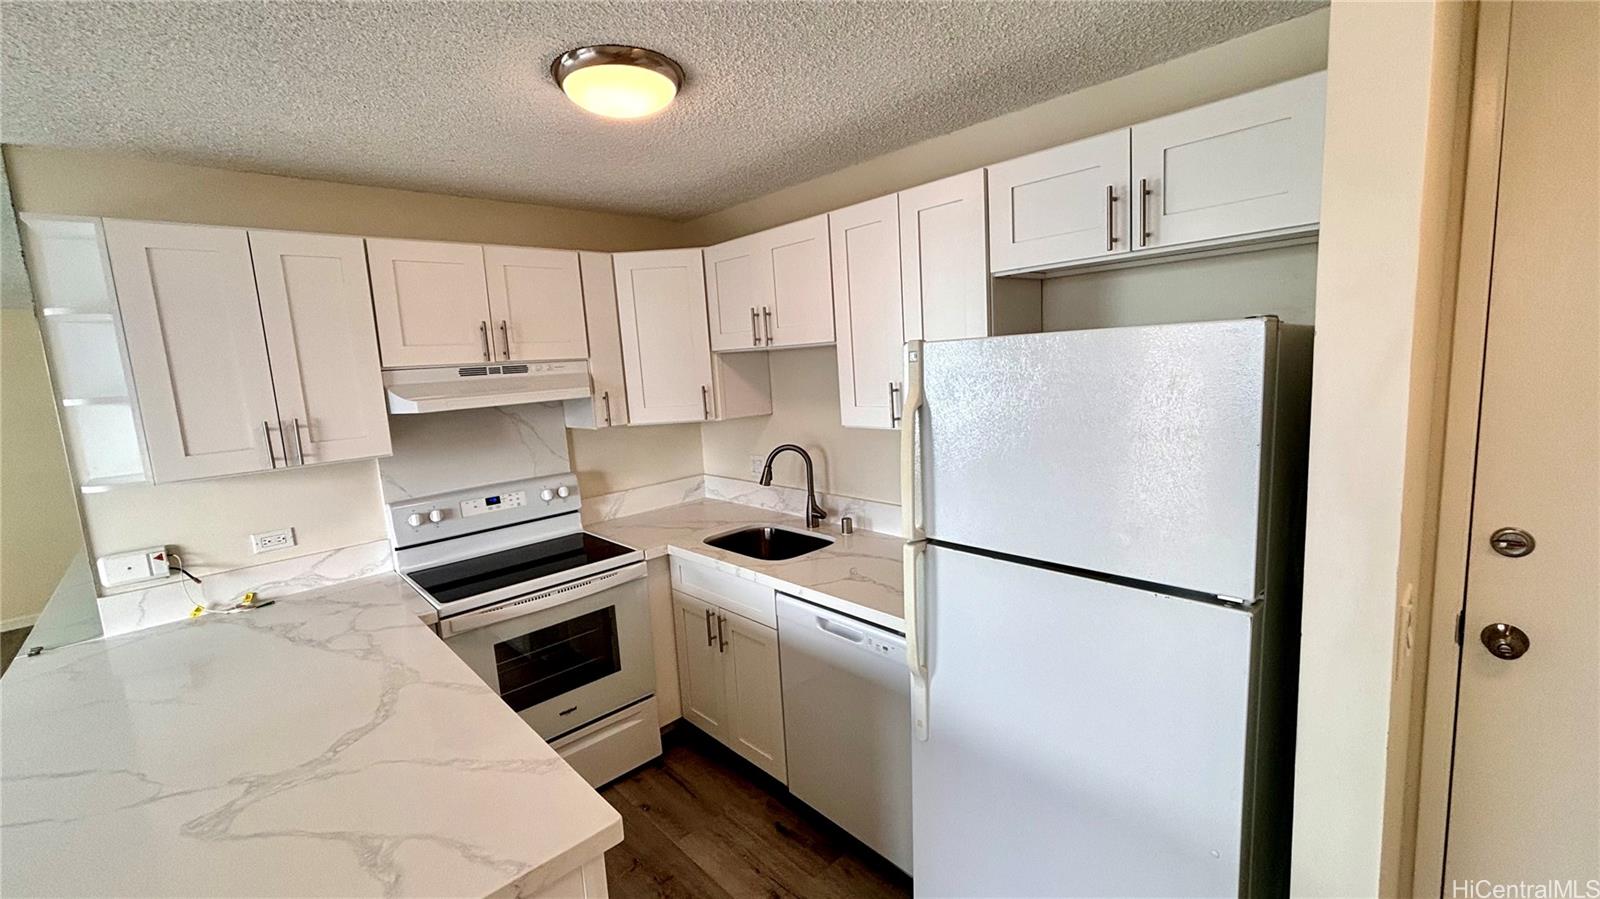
{"x": 442, "y": 389}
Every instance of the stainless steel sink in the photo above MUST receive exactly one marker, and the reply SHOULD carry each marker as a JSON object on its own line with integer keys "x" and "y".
{"x": 772, "y": 544}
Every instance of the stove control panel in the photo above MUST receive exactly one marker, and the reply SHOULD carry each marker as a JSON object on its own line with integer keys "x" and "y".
{"x": 498, "y": 502}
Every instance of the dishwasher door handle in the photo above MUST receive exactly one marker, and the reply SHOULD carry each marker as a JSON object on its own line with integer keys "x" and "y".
{"x": 839, "y": 630}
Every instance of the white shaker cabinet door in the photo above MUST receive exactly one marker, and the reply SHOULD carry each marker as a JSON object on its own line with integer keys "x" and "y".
{"x": 666, "y": 351}
{"x": 944, "y": 266}
{"x": 1060, "y": 205}
{"x": 1247, "y": 164}
{"x": 316, "y": 305}
{"x": 431, "y": 302}
{"x": 733, "y": 294}
{"x": 700, "y": 678}
{"x": 867, "y": 311}
{"x": 187, "y": 296}
{"x": 798, "y": 307}
{"x": 608, "y": 403}
{"x": 754, "y": 693}
{"x": 535, "y": 304}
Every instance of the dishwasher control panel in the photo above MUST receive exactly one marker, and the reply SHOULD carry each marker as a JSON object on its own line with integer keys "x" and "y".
{"x": 880, "y": 647}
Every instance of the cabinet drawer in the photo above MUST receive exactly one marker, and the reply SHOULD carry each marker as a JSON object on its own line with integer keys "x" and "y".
{"x": 728, "y": 592}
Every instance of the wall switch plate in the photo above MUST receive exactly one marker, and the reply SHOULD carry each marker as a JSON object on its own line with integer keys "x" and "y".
{"x": 756, "y": 464}
{"x": 132, "y": 567}
{"x": 272, "y": 540}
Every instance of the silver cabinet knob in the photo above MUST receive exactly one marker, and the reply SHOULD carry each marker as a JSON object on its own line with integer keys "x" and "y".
{"x": 436, "y": 515}
{"x": 1513, "y": 542}
{"x": 415, "y": 519}
{"x": 1504, "y": 641}
{"x": 563, "y": 491}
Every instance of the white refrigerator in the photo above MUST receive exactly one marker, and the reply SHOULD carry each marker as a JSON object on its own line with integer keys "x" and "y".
{"x": 1102, "y": 609}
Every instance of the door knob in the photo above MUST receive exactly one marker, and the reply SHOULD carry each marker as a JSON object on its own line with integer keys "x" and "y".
{"x": 1505, "y": 641}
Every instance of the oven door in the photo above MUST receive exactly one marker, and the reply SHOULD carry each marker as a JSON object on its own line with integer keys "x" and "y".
{"x": 566, "y": 656}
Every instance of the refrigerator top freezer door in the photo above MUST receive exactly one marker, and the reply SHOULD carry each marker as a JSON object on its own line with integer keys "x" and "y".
{"x": 1134, "y": 452}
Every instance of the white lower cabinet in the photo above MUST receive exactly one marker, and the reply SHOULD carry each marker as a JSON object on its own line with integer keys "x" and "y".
{"x": 728, "y": 675}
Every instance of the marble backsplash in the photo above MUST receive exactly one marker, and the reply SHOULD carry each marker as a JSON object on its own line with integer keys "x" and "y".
{"x": 869, "y": 515}
{"x": 443, "y": 451}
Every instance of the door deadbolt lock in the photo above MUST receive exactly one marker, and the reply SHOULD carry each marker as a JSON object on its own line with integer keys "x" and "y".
{"x": 1513, "y": 542}
{"x": 1504, "y": 641}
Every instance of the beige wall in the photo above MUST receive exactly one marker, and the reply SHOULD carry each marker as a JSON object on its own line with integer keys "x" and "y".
{"x": 1284, "y": 51}
{"x": 1386, "y": 256}
{"x": 333, "y": 506}
{"x": 805, "y": 410}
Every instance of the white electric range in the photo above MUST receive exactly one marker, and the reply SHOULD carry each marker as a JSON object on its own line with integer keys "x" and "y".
{"x": 555, "y": 619}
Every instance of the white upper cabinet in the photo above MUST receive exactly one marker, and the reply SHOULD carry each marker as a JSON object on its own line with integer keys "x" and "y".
{"x": 1245, "y": 165}
{"x": 316, "y": 307}
{"x": 944, "y": 266}
{"x": 798, "y": 307}
{"x": 865, "y": 242}
{"x": 608, "y": 405}
{"x": 536, "y": 309}
{"x": 733, "y": 296}
{"x": 1060, "y": 205}
{"x": 431, "y": 302}
{"x": 771, "y": 290}
{"x": 666, "y": 349}
{"x": 187, "y": 298}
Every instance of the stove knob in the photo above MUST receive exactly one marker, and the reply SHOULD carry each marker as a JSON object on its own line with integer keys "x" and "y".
{"x": 547, "y": 494}
{"x": 436, "y": 515}
{"x": 415, "y": 519}
{"x": 563, "y": 491}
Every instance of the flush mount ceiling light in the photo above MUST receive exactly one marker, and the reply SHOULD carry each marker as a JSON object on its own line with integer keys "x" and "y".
{"x": 618, "y": 82}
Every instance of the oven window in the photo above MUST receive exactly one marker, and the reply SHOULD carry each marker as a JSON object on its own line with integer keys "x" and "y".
{"x": 546, "y": 663}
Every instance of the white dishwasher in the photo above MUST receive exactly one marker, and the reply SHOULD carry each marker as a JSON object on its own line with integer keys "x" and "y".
{"x": 847, "y": 723}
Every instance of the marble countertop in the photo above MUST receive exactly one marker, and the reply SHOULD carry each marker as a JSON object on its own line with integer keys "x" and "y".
{"x": 327, "y": 745}
{"x": 859, "y": 574}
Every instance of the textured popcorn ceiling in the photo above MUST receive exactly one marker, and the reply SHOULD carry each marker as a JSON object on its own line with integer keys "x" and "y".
{"x": 456, "y": 97}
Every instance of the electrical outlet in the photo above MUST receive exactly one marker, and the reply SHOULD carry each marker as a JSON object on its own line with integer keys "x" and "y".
{"x": 132, "y": 567}
{"x": 756, "y": 464}
{"x": 272, "y": 540}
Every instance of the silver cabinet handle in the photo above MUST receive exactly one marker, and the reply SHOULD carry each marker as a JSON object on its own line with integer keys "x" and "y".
{"x": 894, "y": 391}
{"x": 755, "y": 328}
{"x": 266, "y": 431}
{"x": 1144, "y": 212}
{"x": 705, "y": 400}
{"x": 505, "y": 337}
{"x": 483, "y": 331}
{"x": 722, "y": 641}
{"x": 606, "y": 398}
{"x": 766, "y": 324}
{"x": 299, "y": 448}
{"x": 1111, "y": 217}
{"x": 710, "y": 640}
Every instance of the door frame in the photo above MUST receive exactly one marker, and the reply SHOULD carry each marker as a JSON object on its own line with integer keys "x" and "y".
{"x": 1457, "y": 464}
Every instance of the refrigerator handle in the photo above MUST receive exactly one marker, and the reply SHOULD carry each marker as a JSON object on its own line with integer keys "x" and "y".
{"x": 911, "y": 526}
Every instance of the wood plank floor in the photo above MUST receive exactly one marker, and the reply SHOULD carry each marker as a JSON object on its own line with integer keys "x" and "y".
{"x": 702, "y": 822}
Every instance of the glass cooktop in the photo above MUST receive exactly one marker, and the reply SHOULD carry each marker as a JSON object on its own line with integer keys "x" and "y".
{"x": 467, "y": 578}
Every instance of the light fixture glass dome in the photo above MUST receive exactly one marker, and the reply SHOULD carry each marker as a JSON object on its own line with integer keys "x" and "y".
{"x": 618, "y": 82}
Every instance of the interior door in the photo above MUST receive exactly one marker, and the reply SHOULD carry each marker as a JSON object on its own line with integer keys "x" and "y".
{"x": 431, "y": 301}
{"x": 1525, "y": 788}
{"x": 316, "y": 306}
{"x": 865, "y": 242}
{"x": 799, "y": 309}
{"x": 1060, "y": 205}
{"x": 701, "y": 686}
{"x": 944, "y": 263}
{"x": 1084, "y": 738}
{"x": 535, "y": 304}
{"x": 187, "y": 296}
{"x": 666, "y": 350}
{"x": 1237, "y": 166}
{"x": 754, "y": 693}
{"x": 733, "y": 294}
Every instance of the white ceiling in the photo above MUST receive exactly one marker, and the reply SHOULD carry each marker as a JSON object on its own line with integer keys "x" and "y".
{"x": 456, "y": 97}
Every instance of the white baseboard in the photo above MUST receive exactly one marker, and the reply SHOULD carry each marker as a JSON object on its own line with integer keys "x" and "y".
{"x": 20, "y": 621}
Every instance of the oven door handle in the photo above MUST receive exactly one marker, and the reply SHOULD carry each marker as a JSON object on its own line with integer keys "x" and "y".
{"x": 538, "y": 602}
